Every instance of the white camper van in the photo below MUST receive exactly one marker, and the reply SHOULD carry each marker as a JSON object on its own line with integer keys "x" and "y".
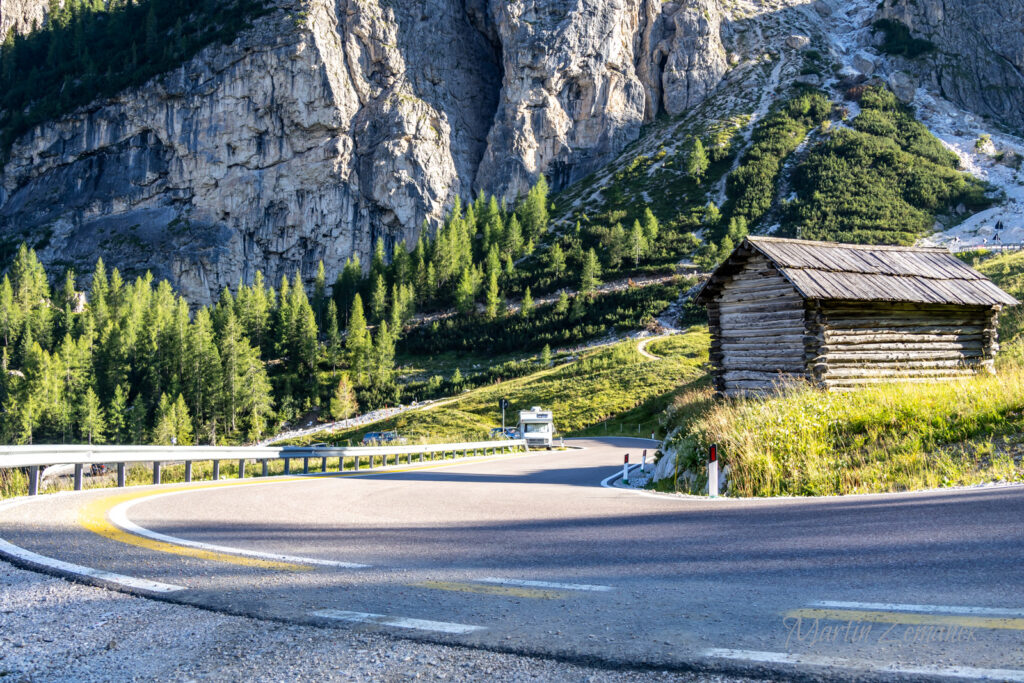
{"x": 537, "y": 426}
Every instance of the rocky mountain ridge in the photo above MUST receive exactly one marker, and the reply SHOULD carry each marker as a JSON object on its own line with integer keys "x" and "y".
{"x": 329, "y": 125}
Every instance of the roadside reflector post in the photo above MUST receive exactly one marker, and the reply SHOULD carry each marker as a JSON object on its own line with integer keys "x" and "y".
{"x": 120, "y": 475}
{"x": 713, "y": 471}
{"x": 156, "y": 472}
{"x": 625, "y": 469}
{"x": 78, "y": 477}
{"x": 241, "y": 469}
{"x": 33, "y": 480}
{"x": 216, "y": 470}
{"x": 643, "y": 462}
{"x": 188, "y": 471}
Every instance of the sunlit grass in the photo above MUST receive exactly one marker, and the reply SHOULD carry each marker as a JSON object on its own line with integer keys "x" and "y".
{"x": 886, "y": 438}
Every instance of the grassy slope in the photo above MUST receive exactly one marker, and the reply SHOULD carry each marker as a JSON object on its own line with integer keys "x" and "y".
{"x": 598, "y": 385}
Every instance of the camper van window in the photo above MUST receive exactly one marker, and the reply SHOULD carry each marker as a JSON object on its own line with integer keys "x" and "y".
{"x": 536, "y": 428}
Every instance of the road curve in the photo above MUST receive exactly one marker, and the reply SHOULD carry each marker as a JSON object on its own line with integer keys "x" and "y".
{"x": 529, "y": 554}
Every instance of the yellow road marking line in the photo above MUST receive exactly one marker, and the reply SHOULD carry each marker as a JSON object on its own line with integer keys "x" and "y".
{"x": 507, "y": 591}
{"x": 906, "y": 618}
{"x": 94, "y": 518}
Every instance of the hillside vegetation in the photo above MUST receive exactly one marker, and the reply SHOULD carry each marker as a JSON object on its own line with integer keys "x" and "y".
{"x": 586, "y": 391}
{"x": 887, "y": 438}
{"x": 91, "y": 49}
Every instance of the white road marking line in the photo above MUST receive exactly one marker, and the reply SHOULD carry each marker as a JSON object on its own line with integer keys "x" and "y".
{"x": 121, "y": 579}
{"x": 926, "y": 609}
{"x": 967, "y": 672}
{"x": 398, "y": 622}
{"x": 119, "y": 516}
{"x": 543, "y": 584}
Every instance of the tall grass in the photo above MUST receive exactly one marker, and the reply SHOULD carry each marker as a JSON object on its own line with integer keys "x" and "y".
{"x": 885, "y": 438}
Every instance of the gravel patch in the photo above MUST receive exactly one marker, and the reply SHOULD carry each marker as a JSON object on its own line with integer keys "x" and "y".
{"x": 55, "y": 630}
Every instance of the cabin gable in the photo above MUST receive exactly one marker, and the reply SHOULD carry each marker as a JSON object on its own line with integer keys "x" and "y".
{"x": 757, "y": 329}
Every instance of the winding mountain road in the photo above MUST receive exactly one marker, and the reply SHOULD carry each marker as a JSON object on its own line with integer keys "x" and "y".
{"x": 531, "y": 554}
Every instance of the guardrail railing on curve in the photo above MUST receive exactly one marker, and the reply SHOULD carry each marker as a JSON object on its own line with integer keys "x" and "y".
{"x": 34, "y": 457}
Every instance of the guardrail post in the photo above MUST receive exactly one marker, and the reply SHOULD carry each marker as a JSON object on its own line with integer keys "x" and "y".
{"x": 188, "y": 471}
{"x": 216, "y": 470}
{"x": 421, "y": 456}
{"x": 287, "y": 465}
{"x": 156, "y": 471}
{"x": 371, "y": 461}
{"x": 121, "y": 474}
{"x": 357, "y": 463}
{"x": 241, "y": 468}
{"x": 323, "y": 464}
{"x": 33, "y": 480}
{"x": 305, "y": 465}
{"x": 265, "y": 467}
{"x": 78, "y": 477}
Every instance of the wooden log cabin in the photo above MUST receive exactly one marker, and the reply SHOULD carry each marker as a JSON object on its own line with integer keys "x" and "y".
{"x": 843, "y": 316}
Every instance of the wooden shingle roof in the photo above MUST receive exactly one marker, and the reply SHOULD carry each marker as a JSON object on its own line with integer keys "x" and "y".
{"x": 853, "y": 272}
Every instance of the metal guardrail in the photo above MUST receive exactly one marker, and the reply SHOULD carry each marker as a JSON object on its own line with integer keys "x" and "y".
{"x": 34, "y": 457}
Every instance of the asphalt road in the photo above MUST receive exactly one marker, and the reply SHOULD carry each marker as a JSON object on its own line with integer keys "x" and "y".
{"x": 531, "y": 554}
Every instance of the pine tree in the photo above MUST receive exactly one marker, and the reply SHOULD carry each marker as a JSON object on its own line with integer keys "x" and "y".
{"x": 347, "y": 286}
{"x": 493, "y": 296}
{"x": 513, "y": 239}
{"x": 357, "y": 343}
{"x": 616, "y": 247}
{"x": 255, "y": 401}
{"x": 203, "y": 372}
{"x": 697, "y": 164}
{"x": 637, "y": 243}
{"x": 712, "y": 214}
{"x": 164, "y": 430}
{"x": 533, "y": 210}
{"x": 545, "y": 356}
{"x": 465, "y": 292}
{"x": 91, "y": 424}
{"x": 117, "y": 415}
{"x": 651, "y": 227}
{"x": 334, "y": 343}
{"x": 378, "y": 299}
{"x": 320, "y": 294}
{"x": 182, "y": 422}
{"x": 590, "y": 273}
{"x": 556, "y": 260}
{"x": 383, "y": 356}
{"x": 343, "y": 402}
{"x": 562, "y": 305}
{"x": 526, "y": 308}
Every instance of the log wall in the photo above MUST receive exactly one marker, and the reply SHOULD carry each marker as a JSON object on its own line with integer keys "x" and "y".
{"x": 852, "y": 344}
{"x": 757, "y": 331}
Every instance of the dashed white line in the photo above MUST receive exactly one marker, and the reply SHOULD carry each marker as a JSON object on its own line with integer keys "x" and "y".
{"x": 119, "y": 516}
{"x": 926, "y": 609}
{"x": 543, "y": 584}
{"x": 397, "y": 622}
{"x": 120, "y": 579}
{"x": 967, "y": 672}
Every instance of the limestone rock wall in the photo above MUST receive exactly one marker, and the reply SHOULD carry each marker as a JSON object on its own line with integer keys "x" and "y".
{"x": 332, "y": 123}
{"x": 979, "y": 61}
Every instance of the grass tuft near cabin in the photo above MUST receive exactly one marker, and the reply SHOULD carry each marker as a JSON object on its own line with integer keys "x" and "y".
{"x": 893, "y": 437}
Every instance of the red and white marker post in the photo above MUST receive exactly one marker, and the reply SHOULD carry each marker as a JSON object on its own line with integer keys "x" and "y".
{"x": 625, "y": 469}
{"x": 713, "y": 472}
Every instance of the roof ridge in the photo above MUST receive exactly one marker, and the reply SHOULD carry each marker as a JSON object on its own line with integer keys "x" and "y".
{"x": 847, "y": 245}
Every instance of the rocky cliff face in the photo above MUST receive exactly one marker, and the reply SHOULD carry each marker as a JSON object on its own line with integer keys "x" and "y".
{"x": 21, "y": 15}
{"x": 332, "y": 123}
{"x": 979, "y": 60}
